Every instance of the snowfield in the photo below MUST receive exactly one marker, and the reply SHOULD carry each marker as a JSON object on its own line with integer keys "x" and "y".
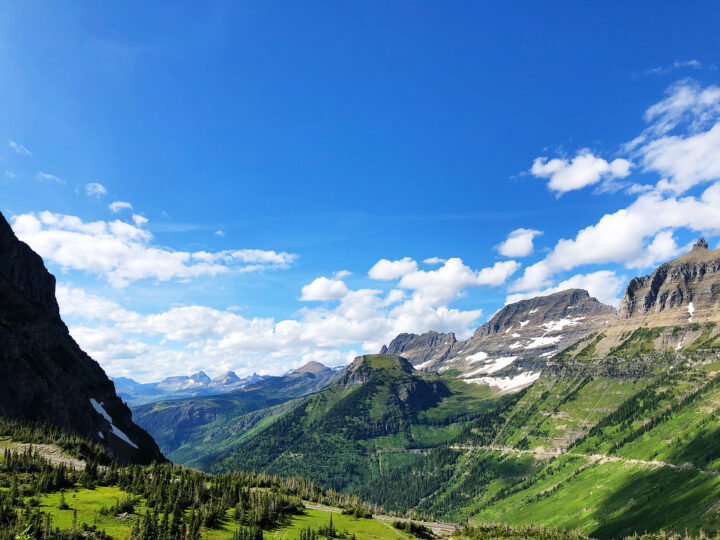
{"x": 102, "y": 412}
{"x": 508, "y": 383}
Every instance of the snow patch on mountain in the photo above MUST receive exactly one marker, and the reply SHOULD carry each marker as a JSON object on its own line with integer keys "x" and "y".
{"x": 102, "y": 412}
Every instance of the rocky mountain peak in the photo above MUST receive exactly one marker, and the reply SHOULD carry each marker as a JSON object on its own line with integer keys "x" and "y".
{"x": 700, "y": 244}
{"x": 44, "y": 375}
{"x": 684, "y": 289}
{"x": 25, "y": 270}
{"x": 228, "y": 377}
{"x": 200, "y": 377}
{"x": 573, "y": 303}
{"x": 312, "y": 367}
{"x": 420, "y": 349}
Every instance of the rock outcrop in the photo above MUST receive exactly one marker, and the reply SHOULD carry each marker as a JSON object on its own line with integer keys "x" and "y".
{"x": 44, "y": 375}
{"x": 423, "y": 349}
{"x": 683, "y": 290}
{"x": 511, "y": 349}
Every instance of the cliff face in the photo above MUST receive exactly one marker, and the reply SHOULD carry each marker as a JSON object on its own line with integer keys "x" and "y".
{"x": 511, "y": 349}
{"x": 44, "y": 375}
{"x": 682, "y": 290}
{"x": 421, "y": 349}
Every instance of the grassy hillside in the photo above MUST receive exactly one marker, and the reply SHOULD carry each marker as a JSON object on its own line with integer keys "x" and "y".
{"x": 196, "y": 431}
{"x": 606, "y": 446}
{"x": 379, "y": 413}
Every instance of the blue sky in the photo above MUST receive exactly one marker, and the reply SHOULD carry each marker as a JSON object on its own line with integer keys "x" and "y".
{"x": 267, "y": 147}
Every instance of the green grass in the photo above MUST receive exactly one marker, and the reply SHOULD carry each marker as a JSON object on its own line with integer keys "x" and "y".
{"x": 365, "y": 529}
{"x": 88, "y": 504}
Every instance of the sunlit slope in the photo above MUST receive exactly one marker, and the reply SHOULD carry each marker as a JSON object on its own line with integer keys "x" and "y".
{"x": 379, "y": 411}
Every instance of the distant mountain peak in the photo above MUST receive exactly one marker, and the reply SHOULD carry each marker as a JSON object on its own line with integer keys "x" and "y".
{"x": 311, "y": 367}
{"x": 200, "y": 376}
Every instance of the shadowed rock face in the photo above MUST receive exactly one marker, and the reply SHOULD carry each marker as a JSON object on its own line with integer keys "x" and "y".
{"x": 680, "y": 290}
{"x": 430, "y": 346}
{"x": 44, "y": 375}
{"x": 511, "y": 349}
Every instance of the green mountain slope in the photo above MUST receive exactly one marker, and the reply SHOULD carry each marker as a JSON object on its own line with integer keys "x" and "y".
{"x": 381, "y": 411}
{"x": 608, "y": 446}
{"x": 195, "y": 431}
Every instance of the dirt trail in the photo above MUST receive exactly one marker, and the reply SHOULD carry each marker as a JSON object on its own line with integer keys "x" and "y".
{"x": 52, "y": 453}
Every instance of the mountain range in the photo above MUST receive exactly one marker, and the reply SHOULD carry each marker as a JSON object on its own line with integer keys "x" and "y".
{"x": 558, "y": 411}
{"x": 198, "y": 384}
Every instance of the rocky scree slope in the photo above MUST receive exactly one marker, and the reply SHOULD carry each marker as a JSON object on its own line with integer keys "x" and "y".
{"x": 44, "y": 375}
{"x": 511, "y": 349}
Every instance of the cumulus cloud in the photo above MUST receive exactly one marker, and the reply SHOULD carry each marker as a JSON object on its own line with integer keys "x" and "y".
{"x": 628, "y": 236}
{"x": 122, "y": 253}
{"x": 47, "y": 176}
{"x": 152, "y": 345}
{"x": 93, "y": 189}
{"x": 139, "y": 220}
{"x": 604, "y": 285}
{"x": 519, "y": 243}
{"x": 386, "y": 270}
{"x": 434, "y": 260}
{"x": 445, "y": 283}
{"x": 323, "y": 288}
{"x": 583, "y": 170}
{"x": 19, "y": 148}
{"x": 682, "y": 145}
{"x": 118, "y": 206}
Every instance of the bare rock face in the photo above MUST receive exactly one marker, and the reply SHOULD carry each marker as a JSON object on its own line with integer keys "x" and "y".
{"x": 44, "y": 375}
{"x": 683, "y": 290}
{"x": 511, "y": 349}
{"x": 423, "y": 349}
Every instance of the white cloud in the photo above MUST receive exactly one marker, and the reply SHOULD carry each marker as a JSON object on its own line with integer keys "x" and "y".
{"x": 219, "y": 233}
{"x": 682, "y": 144}
{"x": 660, "y": 70}
{"x": 93, "y": 189}
{"x": 685, "y": 161}
{"x": 9, "y": 174}
{"x": 386, "y": 270}
{"x": 118, "y": 206}
{"x": 434, "y": 260}
{"x": 150, "y": 346}
{"x": 581, "y": 171}
{"x": 47, "y": 176}
{"x": 122, "y": 253}
{"x": 19, "y": 148}
{"x": 622, "y": 237}
{"x": 323, "y": 288}
{"x": 139, "y": 220}
{"x": 604, "y": 285}
{"x": 519, "y": 243}
{"x": 445, "y": 283}
{"x": 342, "y": 274}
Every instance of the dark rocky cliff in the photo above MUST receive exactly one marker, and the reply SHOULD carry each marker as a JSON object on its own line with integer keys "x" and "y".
{"x": 686, "y": 288}
{"x": 44, "y": 375}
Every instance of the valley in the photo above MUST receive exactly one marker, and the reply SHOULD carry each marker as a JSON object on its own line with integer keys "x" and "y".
{"x": 558, "y": 418}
